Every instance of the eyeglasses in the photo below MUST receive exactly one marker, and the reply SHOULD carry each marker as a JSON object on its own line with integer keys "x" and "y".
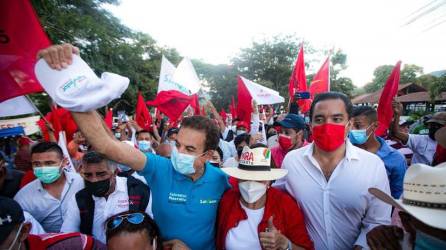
{"x": 135, "y": 219}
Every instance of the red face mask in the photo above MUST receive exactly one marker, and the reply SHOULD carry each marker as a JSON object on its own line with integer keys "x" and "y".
{"x": 285, "y": 142}
{"x": 329, "y": 136}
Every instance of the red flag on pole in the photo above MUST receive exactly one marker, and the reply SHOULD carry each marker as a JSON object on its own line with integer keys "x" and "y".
{"x": 223, "y": 115}
{"x": 61, "y": 120}
{"x": 385, "y": 111}
{"x": 21, "y": 37}
{"x": 195, "y": 104}
{"x": 108, "y": 119}
{"x": 321, "y": 81}
{"x": 142, "y": 115}
{"x": 172, "y": 103}
{"x": 233, "y": 108}
{"x": 244, "y": 107}
{"x": 298, "y": 81}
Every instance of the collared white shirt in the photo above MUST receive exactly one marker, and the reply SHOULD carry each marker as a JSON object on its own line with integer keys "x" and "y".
{"x": 340, "y": 212}
{"x": 423, "y": 148}
{"x": 117, "y": 202}
{"x": 45, "y": 208}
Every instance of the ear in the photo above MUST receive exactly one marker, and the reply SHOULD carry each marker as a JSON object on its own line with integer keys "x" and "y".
{"x": 26, "y": 229}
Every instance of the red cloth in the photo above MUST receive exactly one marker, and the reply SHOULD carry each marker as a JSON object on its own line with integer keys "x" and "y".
{"x": 61, "y": 120}
{"x": 19, "y": 23}
{"x": 439, "y": 156}
{"x": 195, "y": 104}
{"x": 223, "y": 115}
{"x": 244, "y": 106}
{"x": 278, "y": 155}
{"x": 27, "y": 178}
{"x": 142, "y": 115}
{"x": 321, "y": 81}
{"x": 298, "y": 81}
{"x": 172, "y": 103}
{"x": 109, "y": 118}
{"x": 233, "y": 108}
{"x": 62, "y": 241}
{"x": 203, "y": 111}
{"x": 385, "y": 110}
{"x": 287, "y": 217}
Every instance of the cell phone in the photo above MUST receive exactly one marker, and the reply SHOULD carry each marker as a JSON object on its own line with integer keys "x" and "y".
{"x": 302, "y": 95}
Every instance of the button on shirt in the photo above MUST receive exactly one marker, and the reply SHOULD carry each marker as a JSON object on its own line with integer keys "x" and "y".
{"x": 340, "y": 212}
{"x": 184, "y": 209}
{"x": 46, "y": 209}
{"x": 423, "y": 148}
{"x": 395, "y": 164}
{"x": 117, "y": 202}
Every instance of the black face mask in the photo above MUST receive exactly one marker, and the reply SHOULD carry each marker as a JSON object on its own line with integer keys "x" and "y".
{"x": 98, "y": 188}
{"x": 432, "y": 130}
{"x": 239, "y": 152}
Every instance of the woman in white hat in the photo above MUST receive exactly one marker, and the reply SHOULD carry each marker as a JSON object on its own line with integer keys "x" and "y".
{"x": 256, "y": 215}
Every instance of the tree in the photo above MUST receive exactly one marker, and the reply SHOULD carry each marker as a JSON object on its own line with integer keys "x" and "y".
{"x": 338, "y": 83}
{"x": 408, "y": 74}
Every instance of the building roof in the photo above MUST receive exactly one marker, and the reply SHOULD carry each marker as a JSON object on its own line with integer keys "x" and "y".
{"x": 403, "y": 89}
{"x": 420, "y": 97}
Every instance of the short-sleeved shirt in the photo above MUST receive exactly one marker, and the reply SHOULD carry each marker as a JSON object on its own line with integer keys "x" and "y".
{"x": 396, "y": 166}
{"x": 423, "y": 148}
{"x": 182, "y": 208}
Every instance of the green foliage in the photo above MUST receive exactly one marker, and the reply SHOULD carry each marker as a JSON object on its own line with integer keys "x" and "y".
{"x": 409, "y": 74}
{"x": 338, "y": 83}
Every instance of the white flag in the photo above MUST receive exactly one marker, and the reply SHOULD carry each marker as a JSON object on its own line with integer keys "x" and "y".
{"x": 19, "y": 105}
{"x": 63, "y": 145}
{"x": 262, "y": 94}
{"x": 183, "y": 79}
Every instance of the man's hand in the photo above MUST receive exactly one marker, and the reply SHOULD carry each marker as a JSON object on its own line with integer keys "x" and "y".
{"x": 397, "y": 108}
{"x": 385, "y": 237}
{"x": 175, "y": 245}
{"x": 58, "y": 56}
{"x": 273, "y": 239}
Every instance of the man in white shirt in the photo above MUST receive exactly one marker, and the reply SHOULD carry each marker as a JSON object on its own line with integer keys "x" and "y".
{"x": 330, "y": 178}
{"x": 423, "y": 146}
{"x": 47, "y": 197}
{"x": 105, "y": 195}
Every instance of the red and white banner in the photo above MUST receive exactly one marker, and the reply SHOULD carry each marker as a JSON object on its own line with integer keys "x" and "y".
{"x": 261, "y": 94}
{"x": 19, "y": 105}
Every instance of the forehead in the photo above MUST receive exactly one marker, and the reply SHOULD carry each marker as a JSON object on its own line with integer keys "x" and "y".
{"x": 46, "y": 156}
{"x": 329, "y": 107}
{"x": 144, "y": 135}
{"x": 361, "y": 119}
{"x": 94, "y": 167}
{"x": 191, "y": 137}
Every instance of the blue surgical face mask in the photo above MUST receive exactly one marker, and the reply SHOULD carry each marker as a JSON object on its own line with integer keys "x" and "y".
{"x": 47, "y": 174}
{"x": 358, "y": 136}
{"x": 182, "y": 163}
{"x": 425, "y": 241}
{"x": 118, "y": 135}
{"x": 144, "y": 146}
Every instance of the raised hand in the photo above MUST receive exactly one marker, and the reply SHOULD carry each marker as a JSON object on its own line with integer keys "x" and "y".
{"x": 272, "y": 239}
{"x": 58, "y": 56}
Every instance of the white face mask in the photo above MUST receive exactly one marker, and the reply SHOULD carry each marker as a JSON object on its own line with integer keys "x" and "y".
{"x": 239, "y": 132}
{"x": 252, "y": 191}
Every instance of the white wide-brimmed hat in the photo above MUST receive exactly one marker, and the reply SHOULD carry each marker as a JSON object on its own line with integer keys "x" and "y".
{"x": 77, "y": 88}
{"x": 255, "y": 165}
{"x": 424, "y": 195}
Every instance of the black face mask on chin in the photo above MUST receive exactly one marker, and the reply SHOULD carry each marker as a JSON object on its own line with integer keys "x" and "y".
{"x": 98, "y": 188}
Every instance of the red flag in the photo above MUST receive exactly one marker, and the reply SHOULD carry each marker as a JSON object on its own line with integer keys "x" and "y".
{"x": 233, "y": 108}
{"x": 142, "y": 115}
{"x": 298, "y": 80}
{"x": 223, "y": 115}
{"x": 172, "y": 103}
{"x": 244, "y": 108}
{"x": 203, "y": 111}
{"x": 109, "y": 118}
{"x": 195, "y": 104}
{"x": 61, "y": 120}
{"x": 385, "y": 110}
{"x": 21, "y": 37}
{"x": 321, "y": 81}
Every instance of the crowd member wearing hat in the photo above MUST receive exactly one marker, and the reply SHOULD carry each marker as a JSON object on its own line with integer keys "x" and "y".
{"x": 15, "y": 233}
{"x": 365, "y": 122}
{"x": 47, "y": 197}
{"x": 132, "y": 230}
{"x": 440, "y": 152}
{"x": 291, "y": 137}
{"x": 423, "y": 212}
{"x": 9, "y": 179}
{"x": 239, "y": 142}
{"x": 104, "y": 195}
{"x": 423, "y": 146}
{"x": 256, "y": 215}
{"x": 330, "y": 178}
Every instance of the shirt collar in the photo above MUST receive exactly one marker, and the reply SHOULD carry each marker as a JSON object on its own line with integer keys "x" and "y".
{"x": 351, "y": 152}
{"x": 384, "y": 149}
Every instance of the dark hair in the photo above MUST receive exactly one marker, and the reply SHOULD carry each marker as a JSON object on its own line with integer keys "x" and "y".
{"x": 43, "y": 147}
{"x": 258, "y": 145}
{"x": 242, "y": 138}
{"x": 366, "y": 111}
{"x": 92, "y": 157}
{"x": 220, "y": 152}
{"x": 332, "y": 96}
{"x": 148, "y": 226}
{"x": 145, "y": 131}
{"x": 205, "y": 125}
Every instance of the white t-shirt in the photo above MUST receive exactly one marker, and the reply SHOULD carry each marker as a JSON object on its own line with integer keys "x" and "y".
{"x": 245, "y": 235}
{"x": 423, "y": 148}
{"x": 230, "y": 163}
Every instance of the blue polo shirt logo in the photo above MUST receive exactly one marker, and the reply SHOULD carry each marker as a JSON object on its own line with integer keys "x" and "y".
{"x": 208, "y": 201}
{"x": 177, "y": 198}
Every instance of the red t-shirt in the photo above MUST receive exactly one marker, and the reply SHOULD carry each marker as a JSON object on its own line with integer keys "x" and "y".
{"x": 287, "y": 217}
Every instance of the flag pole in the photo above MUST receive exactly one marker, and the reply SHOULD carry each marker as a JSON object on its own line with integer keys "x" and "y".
{"x": 38, "y": 111}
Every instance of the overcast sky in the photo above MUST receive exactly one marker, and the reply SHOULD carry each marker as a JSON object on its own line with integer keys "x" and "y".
{"x": 371, "y": 33}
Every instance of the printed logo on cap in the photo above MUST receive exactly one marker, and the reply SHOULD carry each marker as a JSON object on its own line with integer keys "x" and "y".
{"x": 72, "y": 84}
{"x": 255, "y": 157}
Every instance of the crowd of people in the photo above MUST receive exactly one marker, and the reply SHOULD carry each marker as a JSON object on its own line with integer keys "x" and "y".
{"x": 280, "y": 182}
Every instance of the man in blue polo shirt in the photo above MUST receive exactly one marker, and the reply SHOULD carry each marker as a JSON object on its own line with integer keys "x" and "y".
{"x": 365, "y": 122}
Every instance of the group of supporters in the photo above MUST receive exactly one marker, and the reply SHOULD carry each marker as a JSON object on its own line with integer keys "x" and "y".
{"x": 277, "y": 183}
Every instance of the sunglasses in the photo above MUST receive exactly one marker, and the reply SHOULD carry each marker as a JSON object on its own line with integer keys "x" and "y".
{"x": 135, "y": 219}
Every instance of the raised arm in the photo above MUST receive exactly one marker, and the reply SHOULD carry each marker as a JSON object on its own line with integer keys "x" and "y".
{"x": 217, "y": 116}
{"x": 395, "y": 128}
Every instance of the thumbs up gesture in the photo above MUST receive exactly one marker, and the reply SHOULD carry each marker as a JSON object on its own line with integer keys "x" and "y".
{"x": 272, "y": 239}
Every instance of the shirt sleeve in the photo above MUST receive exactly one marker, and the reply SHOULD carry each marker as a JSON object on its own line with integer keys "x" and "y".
{"x": 396, "y": 177}
{"x": 296, "y": 231}
{"x": 155, "y": 166}
{"x": 378, "y": 212}
{"x": 72, "y": 218}
{"x": 36, "y": 228}
{"x": 414, "y": 141}
{"x": 225, "y": 133}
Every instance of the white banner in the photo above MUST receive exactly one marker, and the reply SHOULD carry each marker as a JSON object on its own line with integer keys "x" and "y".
{"x": 29, "y": 124}
{"x": 183, "y": 79}
{"x": 262, "y": 94}
{"x": 19, "y": 105}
